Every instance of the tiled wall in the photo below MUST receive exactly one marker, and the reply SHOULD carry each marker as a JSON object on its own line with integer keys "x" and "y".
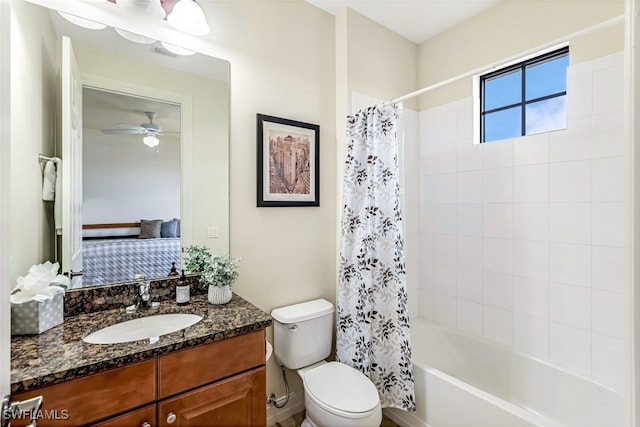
{"x": 525, "y": 242}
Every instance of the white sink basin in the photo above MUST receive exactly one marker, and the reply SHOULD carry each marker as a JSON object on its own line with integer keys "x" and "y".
{"x": 149, "y": 327}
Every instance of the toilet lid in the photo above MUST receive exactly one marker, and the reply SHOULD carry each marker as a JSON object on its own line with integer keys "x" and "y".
{"x": 341, "y": 387}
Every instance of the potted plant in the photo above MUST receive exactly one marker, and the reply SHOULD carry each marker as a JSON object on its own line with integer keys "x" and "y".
{"x": 218, "y": 272}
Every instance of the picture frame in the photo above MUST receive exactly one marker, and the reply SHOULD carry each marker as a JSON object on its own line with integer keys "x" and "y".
{"x": 288, "y": 162}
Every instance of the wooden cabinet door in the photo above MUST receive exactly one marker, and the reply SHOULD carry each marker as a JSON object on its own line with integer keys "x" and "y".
{"x": 236, "y": 401}
{"x": 145, "y": 417}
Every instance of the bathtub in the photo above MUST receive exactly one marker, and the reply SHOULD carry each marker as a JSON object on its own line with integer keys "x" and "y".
{"x": 463, "y": 381}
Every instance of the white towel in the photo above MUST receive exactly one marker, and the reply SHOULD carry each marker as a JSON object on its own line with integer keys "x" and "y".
{"x": 57, "y": 204}
{"x": 49, "y": 181}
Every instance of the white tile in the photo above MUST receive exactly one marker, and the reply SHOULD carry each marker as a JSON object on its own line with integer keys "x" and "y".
{"x": 426, "y": 247}
{"x": 469, "y": 283}
{"x": 414, "y": 303}
{"x": 608, "y": 90}
{"x": 498, "y": 220}
{"x": 426, "y": 275}
{"x": 469, "y": 252}
{"x": 610, "y": 179}
{"x": 444, "y": 159}
{"x": 608, "y": 135}
{"x": 498, "y": 185}
{"x": 412, "y": 267}
{"x": 570, "y": 264}
{"x": 426, "y": 218}
{"x": 445, "y": 129}
{"x": 445, "y": 310}
{"x": 444, "y": 188}
{"x": 470, "y": 317}
{"x": 444, "y": 279}
{"x": 531, "y": 183}
{"x": 531, "y": 149}
{"x": 531, "y": 221}
{"x": 574, "y": 143}
{"x": 570, "y": 347}
{"x": 531, "y": 296}
{"x": 445, "y": 249}
{"x": 498, "y": 255}
{"x": 579, "y": 95}
{"x": 470, "y": 157}
{"x": 531, "y": 336}
{"x": 498, "y": 290}
{"x": 570, "y": 305}
{"x": 570, "y": 223}
{"x": 426, "y": 189}
{"x": 411, "y": 220}
{"x": 531, "y": 259}
{"x": 610, "y": 224}
{"x": 570, "y": 181}
{"x": 610, "y": 267}
{"x": 498, "y": 154}
{"x": 610, "y": 313}
{"x": 498, "y": 325}
{"x": 470, "y": 219}
{"x": 470, "y": 187}
{"x": 426, "y": 305}
{"x": 610, "y": 362}
{"x": 464, "y": 119}
{"x": 445, "y": 218}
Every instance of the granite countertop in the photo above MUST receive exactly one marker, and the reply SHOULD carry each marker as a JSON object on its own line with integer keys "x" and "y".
{"x": 59, "y": 354}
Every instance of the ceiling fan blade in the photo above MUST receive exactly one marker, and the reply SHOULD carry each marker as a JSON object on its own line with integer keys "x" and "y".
{"x": 131, "y": 131}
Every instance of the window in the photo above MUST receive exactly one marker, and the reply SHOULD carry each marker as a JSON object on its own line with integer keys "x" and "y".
{"x": 525, "y": 98}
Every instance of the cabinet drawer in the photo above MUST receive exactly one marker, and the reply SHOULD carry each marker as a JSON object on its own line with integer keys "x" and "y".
{"x": 96, "y": 396}
{"x": 145, "y": 417}
{"x": 235, "y": 402}
{"x": 200, "y": 365}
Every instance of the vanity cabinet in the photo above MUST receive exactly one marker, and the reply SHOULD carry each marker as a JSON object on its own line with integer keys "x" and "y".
{"x": 217, "y": 384}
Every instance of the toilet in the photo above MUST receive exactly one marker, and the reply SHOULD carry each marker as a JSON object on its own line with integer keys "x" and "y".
{"x": 335, "y": 394}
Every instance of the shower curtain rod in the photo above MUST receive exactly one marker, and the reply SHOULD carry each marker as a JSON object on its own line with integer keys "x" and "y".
{"x": 482, "y": 70}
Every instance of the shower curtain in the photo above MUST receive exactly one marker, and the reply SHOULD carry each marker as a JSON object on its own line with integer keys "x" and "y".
{"x": 372, "y": 313}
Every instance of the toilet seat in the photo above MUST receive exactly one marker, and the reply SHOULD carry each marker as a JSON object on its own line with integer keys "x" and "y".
{"x": 342, "y": 390}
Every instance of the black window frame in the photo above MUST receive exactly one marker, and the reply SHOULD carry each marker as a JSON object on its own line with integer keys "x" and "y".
{"x": 522, "y": 67}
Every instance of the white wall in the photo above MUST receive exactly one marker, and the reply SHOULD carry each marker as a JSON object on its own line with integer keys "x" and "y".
{"x": 525, "y": 241}
{"x": 33, "y": 127}
{"x": 123, "y": 180}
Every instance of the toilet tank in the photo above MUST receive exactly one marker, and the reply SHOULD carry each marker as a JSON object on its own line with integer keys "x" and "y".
{"x": 302, "y": 333}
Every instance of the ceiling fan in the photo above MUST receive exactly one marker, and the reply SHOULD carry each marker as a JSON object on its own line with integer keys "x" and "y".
{"x": 150, "y": 130}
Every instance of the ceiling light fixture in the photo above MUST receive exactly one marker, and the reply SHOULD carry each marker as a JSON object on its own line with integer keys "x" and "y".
{"x": 150, "y": 10}
{"x": 83, "y": 22}
{"x": 133, "y": 37}
{"x": 188, "y": 17}
{"x": 151, "y": 141}
{"x": 177, "y": 49}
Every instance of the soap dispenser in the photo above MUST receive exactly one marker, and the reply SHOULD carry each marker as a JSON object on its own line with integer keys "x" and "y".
{"x": 183, "y": 292}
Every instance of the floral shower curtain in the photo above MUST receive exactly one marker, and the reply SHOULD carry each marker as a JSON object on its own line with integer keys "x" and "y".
{"x": 372, "y": 313}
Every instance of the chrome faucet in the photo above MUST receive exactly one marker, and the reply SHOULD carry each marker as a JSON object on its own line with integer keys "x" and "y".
{"x": 143, "y": 297}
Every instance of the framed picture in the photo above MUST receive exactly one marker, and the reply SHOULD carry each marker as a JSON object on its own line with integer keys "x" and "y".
{"x": 288, "y": 162}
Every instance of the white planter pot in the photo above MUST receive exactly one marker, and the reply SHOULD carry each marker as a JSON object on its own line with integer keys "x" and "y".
{"x": 219, "y": 295}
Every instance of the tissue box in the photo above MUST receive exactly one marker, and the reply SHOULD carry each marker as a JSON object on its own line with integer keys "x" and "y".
{"x": 33, "y": 317}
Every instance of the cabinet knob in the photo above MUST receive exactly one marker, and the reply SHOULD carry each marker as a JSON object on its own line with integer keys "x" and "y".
{"x": 171, "y": 418}
{"x": 145, "y": 424}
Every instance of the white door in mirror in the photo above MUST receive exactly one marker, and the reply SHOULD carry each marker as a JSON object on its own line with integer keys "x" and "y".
{"x": 142, "y": 328}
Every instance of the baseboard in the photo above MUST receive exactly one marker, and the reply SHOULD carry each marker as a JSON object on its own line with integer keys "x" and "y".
{"x": 403, "y": 418}
{"x": 294, "y": 406}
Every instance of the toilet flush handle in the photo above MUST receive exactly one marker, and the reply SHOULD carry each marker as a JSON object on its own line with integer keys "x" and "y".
{"x": 293, "y": 328}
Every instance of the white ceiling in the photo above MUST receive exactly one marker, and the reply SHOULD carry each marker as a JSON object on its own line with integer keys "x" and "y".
{"x": 416, "y": 20}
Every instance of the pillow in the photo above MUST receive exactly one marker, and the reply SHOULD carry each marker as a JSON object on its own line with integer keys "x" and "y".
{"x": 169, "y": 228}
{"x": 150, "y": 228}
{"x": 177, "y": 220}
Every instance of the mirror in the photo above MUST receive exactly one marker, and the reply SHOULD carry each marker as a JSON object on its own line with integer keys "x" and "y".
{"x": 132, "y": 91}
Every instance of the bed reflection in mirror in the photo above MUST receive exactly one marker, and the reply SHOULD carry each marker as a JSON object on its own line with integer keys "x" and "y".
{"x": 131, "y": 187}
